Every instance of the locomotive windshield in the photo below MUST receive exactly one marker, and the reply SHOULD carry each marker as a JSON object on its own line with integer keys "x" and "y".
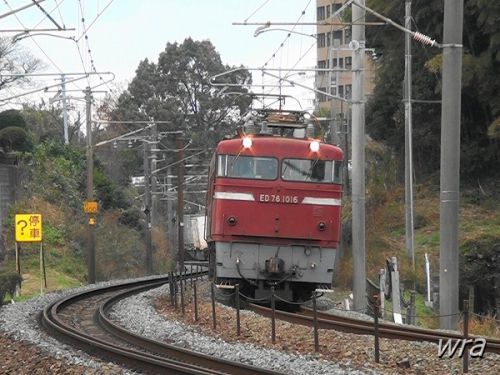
{"x": 247, "y": 167}
{"x": 316, "y": 170}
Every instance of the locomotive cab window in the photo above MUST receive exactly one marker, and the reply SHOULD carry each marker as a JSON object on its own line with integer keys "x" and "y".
{"x": 316, "y": 170}
{"x": 252, "y": 167}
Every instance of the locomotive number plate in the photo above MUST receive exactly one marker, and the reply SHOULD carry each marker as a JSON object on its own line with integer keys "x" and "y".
{"x": 276, "y": 198}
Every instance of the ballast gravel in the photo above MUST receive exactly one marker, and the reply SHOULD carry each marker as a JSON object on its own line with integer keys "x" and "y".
{"x": 133, "y": 312}
{"x": 26, "y": 349}
{"x": 19, "y": 322}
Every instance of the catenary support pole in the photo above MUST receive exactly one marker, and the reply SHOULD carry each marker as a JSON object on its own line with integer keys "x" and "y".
{"x": 410, "y": 242}
{"x": 358, "y": 158}
{"x": 147, "y": 208}
{"x": 154, "y": 183}
{"x": 450, "y": 163}
{"x": 65, "y": 109}
{"x": 90, "y": 190}
{"x": 171, "y": 213}
{"x": 180, "y": 197}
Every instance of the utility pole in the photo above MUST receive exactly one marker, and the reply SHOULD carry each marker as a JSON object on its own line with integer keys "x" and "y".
{"x": 154, "y": 196}
{"x": 179, "y": 144}
{"x": 171, "y": 227}
{"x": 450, "y": 163}
{"x": 358, "y": 157}
{"x": 90, "y": 190}
{"x": 65, "y": 108}
{"x": 410, "y": 242}
{"x": 147, "y": 209}
{"x": 78, "y": 129}
{"x": 333, "y": 75}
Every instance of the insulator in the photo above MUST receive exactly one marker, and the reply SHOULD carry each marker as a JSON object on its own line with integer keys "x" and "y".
{"x": 424, "y": 39}
{"x": 250, "y": 127}
{"x": 310, "y": 131}
{"x": 264, "y": 128}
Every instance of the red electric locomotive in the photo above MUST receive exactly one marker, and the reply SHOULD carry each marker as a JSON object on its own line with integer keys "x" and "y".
{"x": 273, "y": 207}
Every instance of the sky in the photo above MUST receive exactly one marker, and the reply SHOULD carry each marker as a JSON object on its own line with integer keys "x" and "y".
{"x": 121, "y": 33}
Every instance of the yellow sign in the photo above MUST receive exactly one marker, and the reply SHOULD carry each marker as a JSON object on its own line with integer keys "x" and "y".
{"x": 28, "y": 228}
{"x": 90, "y": 207}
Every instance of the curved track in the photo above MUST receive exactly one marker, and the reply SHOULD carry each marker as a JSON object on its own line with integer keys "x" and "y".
{"x": 82, "y": 320}
{"x": 351, "y": 325}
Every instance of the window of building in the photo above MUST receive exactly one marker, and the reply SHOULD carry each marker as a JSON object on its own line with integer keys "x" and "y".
{"x": 347, "y": 36}
{"x": 321, "y": 40}
{"x": 337, "y": 35}
{"x": 333, "y": 79}
{"x": 321, "y": 65}
{"x": 338, "y": 62}
{"x": 328, "y": 11}
{"x": 322, "y": 97}
{"x": 328, "y": 39}
{"x": 336, "y": 7}
{"x": 247, "y": 167}
{"x": 333, "y": 90}
{"x": 348, "y": 62}
{"x": 320, "y": 13}
{"x": 348, "y": 91}
{"x": 341, "y": 91}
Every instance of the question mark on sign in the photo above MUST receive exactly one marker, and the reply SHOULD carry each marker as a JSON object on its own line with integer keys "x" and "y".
{"x": 23, "y": 224}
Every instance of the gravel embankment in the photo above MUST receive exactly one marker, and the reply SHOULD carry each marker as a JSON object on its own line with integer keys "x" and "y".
{"x": 27, "y": 350}
{"x": 133, "y": 311}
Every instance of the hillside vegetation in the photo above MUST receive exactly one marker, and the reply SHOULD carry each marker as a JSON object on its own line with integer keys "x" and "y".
{"x": 479, "y": 231}
{"x": 52, "y": 184}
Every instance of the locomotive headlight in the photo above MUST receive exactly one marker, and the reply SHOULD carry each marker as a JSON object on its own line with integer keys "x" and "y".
{"x": 321, "y": 226}
{"x": 314, "y": 146}
{"x": 247, "y": 142}
{"x": 231, "y": 220}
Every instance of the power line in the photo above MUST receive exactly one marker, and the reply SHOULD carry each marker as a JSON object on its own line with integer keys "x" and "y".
{"x": 59, "y": 10}
{"x": 34, "y": 41}
{"x": 288, "y": 35}
{"x": 256, "y": 10}
{"x": 85, "y": 30}
{"x": 86, "y": 37}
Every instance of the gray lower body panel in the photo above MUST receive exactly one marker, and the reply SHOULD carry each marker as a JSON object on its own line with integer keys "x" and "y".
{"x": 311, "y": 264}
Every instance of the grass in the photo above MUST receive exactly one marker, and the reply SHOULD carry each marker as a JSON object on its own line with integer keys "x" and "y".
{"x": 63, "y": 270}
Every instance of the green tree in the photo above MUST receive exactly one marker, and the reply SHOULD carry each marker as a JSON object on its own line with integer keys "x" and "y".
{"x": 177, "y": 88}
{"x": 480, "y": 102}
{"x": 13, "y": 134}
{"x": 44, "y": 123}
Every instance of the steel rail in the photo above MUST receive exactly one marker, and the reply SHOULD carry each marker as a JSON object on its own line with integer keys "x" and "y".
{"x": 206, "y": 361}
{"x": 134, "y": 354}
{"x": 362, "y": 327}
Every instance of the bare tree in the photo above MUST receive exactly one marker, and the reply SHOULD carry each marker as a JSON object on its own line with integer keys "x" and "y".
{"x": 15, "y": 60}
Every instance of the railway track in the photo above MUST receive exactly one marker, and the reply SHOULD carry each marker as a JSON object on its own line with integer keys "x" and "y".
{"x": 82, "y": 320}
{"x": 351, "y": 325}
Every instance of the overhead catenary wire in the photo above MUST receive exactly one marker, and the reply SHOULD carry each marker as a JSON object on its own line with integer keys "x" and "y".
{"x": 288, "y": 35}
{"x": 59, "y": 10}
{"x": 84, "y": 34}
{"x": 33, "y": 40}
{"x": 85, "y": 30}
{"x": 256, "y": 10}
{"x": 50, "y": 12}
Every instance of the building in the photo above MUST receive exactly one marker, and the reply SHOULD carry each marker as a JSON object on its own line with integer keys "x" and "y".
{"x": 333, "y": 53}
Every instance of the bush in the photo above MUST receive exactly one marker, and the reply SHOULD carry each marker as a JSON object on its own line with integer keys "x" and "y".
{"x": 8, "y": 284}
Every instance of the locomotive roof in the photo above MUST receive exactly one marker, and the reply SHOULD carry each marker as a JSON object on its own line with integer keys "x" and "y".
{"x": 279, "y": 147}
